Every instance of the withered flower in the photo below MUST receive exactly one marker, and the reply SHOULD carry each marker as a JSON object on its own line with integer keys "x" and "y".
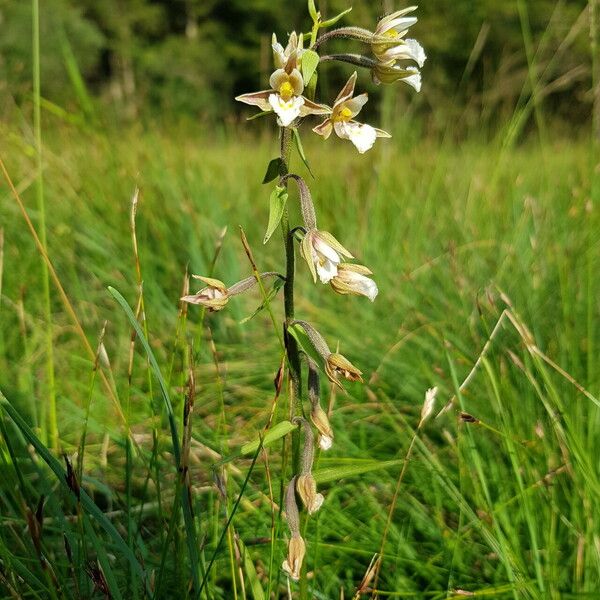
{"x": 307, "y": 490}
{"x": 214, "y": 296}
{"x": 337, "y": 364}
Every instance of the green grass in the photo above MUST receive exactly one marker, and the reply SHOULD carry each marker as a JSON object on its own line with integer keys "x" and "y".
{"x": 505, "y": 507}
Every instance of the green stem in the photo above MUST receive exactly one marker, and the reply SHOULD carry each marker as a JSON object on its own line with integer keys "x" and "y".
{"x": 37, "y": 127}
{"x": 293, "y": 352}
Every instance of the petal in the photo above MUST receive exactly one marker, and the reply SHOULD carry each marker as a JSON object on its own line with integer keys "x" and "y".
{"x": 295, "y": 78}
{"x": 362, "y": 136}
{"x": 325, "y": 442}
{"x": 355, "y": 104}
{"x": 326, "y": 270}
{"x": 312, "y": 108}
{"x": 259, "y": 99}
{"x": 286, "y": 111}
{"x": 323, "y": 248}
{"x": 324, "y": 129}
{"x": 413, "y": 80}
{"x": 278, "y": 78}
{"x": 348, "y": 90}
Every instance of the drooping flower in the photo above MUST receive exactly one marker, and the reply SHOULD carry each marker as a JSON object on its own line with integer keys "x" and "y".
{"x": 337, "y": 364}
{"x": 307, "y": 490}
{"x": 354, "y": 279}
{"x": 319, "y": 418}
{"x": 285, "y": 96}
{"x": 341, "y": 119}
{"x": 214, "y": 296}
{"x": 323, "y": 253}
{"x": 389, "y": 46}
{"x": 292, "y": 565}
{"x": 390, "y": 73}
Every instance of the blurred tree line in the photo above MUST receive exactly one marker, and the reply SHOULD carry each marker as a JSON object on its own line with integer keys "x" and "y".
{"x": 167, "y": 58}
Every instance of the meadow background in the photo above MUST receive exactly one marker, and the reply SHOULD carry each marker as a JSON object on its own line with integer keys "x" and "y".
{"x": 479, "y": 219}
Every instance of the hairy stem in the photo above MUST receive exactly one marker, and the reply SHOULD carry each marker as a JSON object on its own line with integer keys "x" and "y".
{"x": 288, "y": 289}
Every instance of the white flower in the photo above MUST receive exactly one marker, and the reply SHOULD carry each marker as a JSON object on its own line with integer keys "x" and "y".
{"x": 388, "y": 47}
{"x": 286, "y": 110}
{"x": 341, "y": 119}
{"x": 285, "y": 97}
{"x": 354, "y": 279}
{"x": 323, "y": 253}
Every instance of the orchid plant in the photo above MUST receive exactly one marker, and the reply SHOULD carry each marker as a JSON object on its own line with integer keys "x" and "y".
{"x": 291, "y": 97}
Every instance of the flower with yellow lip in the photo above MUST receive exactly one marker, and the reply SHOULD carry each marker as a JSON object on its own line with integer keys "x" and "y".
{"x": 214, "y": 296}
{"x": 389, "y": 46}
{"x": 341, "y": 119}
{"x": 354, "y": 279}
{"x": 285, "y": 96}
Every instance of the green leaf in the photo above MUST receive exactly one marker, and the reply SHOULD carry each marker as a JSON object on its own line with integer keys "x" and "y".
{"x": 357, "y": 468}
{"x": 273, "y": 170}
{"x": 275, "y": 433}
{"x": 310, "y": 62}
{"x": 335, "y": 19}
{"x": 300, "y": 149}
{"x": 312, "y": 11}
{"x": 298, "y": 333}
{"x": 257, "y": 590}
{"x": 277, "y": 285}
{"x": 277, "y": 202}
{"x": 259, "y": 115}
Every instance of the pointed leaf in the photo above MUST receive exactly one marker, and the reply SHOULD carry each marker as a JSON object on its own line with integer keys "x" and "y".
{"x": 328, "y": 474}
{"x": 257, "y": 590}
{"x": 273, "y": 170}
{"x": 312, "y": 11}
{"x": 277, "y": 202}
{"x": 275, "y": 433}
{"x": 300, "y": 149}
{"x": 298, "y": 333}
{"x": 335, "y": 19}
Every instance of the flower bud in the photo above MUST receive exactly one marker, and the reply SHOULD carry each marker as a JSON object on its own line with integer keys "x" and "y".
{"x": 337, "y": 364}
{"x": 214, "y": 296}
{"x": 389, "y": 73}
{"x": 307, "y": 490}
{"x": 353, "y": 279}
{"x": 319, "y": 418}
{"x": 296, "y": 550}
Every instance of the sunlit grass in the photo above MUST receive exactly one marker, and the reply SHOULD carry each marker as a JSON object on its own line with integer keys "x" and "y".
{"x": 455, "y": 234}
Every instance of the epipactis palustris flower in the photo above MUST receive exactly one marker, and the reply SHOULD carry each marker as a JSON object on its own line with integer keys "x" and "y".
{"x": 337, "y": 364}
{"x": 214, "y": 296}
{"x": 341, "y": 119}
{"x": 389, "y": 46}
{"x": 285, "y": 96}
{"x": 307, "y": 490}
{"x": 354, "y": 279}
{"x": 319, "y": 418}
{"x": 323, "y": 253}
{"x": 293, "y": 50}
{"x": 296, "y": 551}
